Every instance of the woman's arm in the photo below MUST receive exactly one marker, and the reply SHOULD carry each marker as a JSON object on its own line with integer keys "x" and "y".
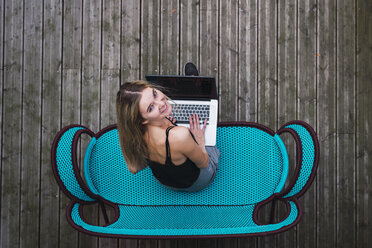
{"x": 195, "y": 152}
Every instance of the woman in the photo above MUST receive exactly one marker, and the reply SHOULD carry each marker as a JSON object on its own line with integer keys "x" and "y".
{"x": 176, "y": 155}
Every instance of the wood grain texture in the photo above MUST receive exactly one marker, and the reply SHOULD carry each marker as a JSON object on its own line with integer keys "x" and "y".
{"x": 62, "y": 62}
{"x": 247, "y": 60}
{"x": 364, "y": 123}
{"x": 51, "y": 122}
{"x": 187, "y": 243}
{"x": 12, "y": 124}
{"x": 72, "y": 33}
{"x": 2, "y": 22}
{"x": 346, "y": 118}
{"x": 169, "y": 37}
{"x": 209, "y": 38}
{"x": 228, "y": 58}
{"x": 31, "y": 124}
{"x": 327, "y": 123}
{"x": 112, "y": 23}
{"x": 150, "y": 37}
{"x": 2, "y": 14}
{"x": 267, "y": 60}
{"x": 189, "y": 33}
{"x": 130, "y": 40}
{"x": 111, "y": 34}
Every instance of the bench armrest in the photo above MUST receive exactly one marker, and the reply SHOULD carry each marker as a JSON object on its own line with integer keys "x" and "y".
{"x": 65, "y": 166}
{"x": 307, "y": 157}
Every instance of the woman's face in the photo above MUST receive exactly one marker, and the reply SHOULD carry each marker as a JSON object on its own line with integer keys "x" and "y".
{"x": 153, "y": 105}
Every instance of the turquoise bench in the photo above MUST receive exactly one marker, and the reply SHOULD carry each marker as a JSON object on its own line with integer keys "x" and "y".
{"x": 252, "y": 172}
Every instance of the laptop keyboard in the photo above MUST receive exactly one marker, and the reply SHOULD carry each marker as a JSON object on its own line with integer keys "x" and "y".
{"x": 182, "y": 112}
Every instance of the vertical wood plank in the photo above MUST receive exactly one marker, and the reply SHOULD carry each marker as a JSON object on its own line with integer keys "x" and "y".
{"x": 191, "y": 243}
{"x": 169, "y": 38}
{"x": 12, "y": 124}
{"x": 109, "y": 87}
{"x": 364, "y": 123}
{"x": 247, "y": 242}
{"x": 267, "y": 83}
{"x": 2, "y": 68}
{"x": 2, "y": 25}
{"x": 346, "y": 124}
{"x": 228, "y": 61}
{"x": 51, "y": 108}
{"x": 247, "y": 75}
{"x": 167, "y": 243}
{"x": 90, "y": 96}
{"x": 326, "y": 121}
{"x": 111, "y": 17}
{"x": 72, "y": 28}
{"x": 31, "y": 135}
{"x": 228, "y": 242}
{"x": 91, "y": 64}
{"x": 287, "y": 27}
{"x": 110, "y": 69}
{"x": 147, "y": 244}
{"x": 267, "y": 56}
{"x": 131, "y": 37}
{"x": 189, "y": 33}
{"x": 209, "y": 33}
{"x": 150, "y": 37}
{"x": 71, "y": 96}
{"x": 306, "y": 107}
{"x": 287, "y": 15}
{"x": 207, "y": 243}
{"x": 128, "y": 243}
{"x": 110, "y": 72}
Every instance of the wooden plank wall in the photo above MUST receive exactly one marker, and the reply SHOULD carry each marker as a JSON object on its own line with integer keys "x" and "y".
{"x": 275, "y": 61}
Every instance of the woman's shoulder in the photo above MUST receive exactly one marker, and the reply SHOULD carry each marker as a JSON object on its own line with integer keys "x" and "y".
{"x": 179, "y": 134}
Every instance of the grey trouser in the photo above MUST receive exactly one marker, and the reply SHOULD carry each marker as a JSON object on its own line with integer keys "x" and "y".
{"x": 207, "y": 174}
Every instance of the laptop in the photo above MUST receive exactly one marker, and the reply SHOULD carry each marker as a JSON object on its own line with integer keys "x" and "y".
{"x": 191, "y": 94}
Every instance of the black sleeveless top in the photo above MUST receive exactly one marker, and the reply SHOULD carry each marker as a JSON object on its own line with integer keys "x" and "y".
{"x": 180, "y": 176}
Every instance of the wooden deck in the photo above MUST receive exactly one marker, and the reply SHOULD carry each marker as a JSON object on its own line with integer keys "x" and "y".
{"x": 275, "y": 61}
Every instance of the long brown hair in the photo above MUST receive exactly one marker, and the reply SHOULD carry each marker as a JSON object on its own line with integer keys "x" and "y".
{"x": 130, "y": 127}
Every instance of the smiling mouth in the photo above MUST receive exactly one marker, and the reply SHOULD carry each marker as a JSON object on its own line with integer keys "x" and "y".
{"x": 165, "y": 108}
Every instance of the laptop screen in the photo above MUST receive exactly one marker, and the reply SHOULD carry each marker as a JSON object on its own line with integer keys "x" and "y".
{"x": 186, "y": 87}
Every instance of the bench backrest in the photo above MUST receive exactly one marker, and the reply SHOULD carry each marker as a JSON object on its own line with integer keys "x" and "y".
{"x": 253, "y": 165}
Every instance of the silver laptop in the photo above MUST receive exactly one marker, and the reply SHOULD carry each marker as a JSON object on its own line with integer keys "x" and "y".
{"x": 192, "y": 94}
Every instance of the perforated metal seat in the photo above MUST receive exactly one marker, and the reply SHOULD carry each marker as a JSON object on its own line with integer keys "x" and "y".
{"x": 252, "y": 172}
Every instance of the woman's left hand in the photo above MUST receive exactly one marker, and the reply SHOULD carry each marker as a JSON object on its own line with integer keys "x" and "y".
{"x": 199, "y": 133}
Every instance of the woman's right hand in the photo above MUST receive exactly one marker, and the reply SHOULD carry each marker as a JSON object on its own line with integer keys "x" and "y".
{"x": 199, "y": 133}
